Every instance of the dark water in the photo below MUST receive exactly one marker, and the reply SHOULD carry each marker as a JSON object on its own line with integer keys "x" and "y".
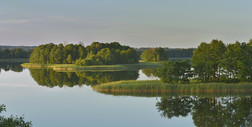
{"x": 63, "y": 99}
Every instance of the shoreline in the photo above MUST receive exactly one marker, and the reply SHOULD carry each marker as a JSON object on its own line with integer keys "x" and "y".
{"x": 72, "y": 67}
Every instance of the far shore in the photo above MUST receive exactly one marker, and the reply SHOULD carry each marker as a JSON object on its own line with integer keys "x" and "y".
{"x": 21, "y": 60}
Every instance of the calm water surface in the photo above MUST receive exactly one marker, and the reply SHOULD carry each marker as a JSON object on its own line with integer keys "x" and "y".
{"x": 56, "y": 99}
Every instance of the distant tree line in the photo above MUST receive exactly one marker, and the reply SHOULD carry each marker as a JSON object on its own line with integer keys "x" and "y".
{"x": 180, "y": 52}
{"x": 94, "y": 54}
{"x": 171, "y": 52}
{"x": 16, "y": 47}
{"x": 154, "y": 55}
{"x": 14, "y": 53}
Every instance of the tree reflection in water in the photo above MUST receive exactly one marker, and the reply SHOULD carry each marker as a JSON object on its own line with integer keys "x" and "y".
{"x": 11, "y": 66}
{"x": 209, "y": 112}
{"x": 150, "y": 72}
{"x": 51, "y": 78}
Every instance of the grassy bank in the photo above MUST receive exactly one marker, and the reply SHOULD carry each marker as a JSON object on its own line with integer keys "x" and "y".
{"x": 156, "y": 88}
{"x": 15, "y": 60}
{"x": 73, "y": 67}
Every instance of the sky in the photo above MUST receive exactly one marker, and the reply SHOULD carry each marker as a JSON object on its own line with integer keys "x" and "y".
{"x": 137, "y": 23}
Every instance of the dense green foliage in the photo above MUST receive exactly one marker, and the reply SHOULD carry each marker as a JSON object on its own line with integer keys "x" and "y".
{"x": 57, "y": 54}
{"x": 14, "y": 53}
{"x": 219, "y": 62}
{"x": 94, "y": 54}
{"x": 12, "y": 121}
{"x": 175, "y": 72}
{"x": 154, "y": 55}
{"x": 108, "y": 56}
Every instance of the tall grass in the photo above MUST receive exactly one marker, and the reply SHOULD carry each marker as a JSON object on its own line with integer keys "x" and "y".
{"x": 158, "y": 87}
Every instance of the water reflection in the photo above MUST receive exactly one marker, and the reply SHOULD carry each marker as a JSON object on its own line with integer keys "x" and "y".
{"x": 209, "y": 112}
{"x": 51, "y": 78}
{"x": 204, "y": 110}
{"x": 150, "y": 72}
{"x": 11, "y": 66}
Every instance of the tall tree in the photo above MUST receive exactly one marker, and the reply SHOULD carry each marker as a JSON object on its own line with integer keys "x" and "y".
{"x": 206, "y": 60}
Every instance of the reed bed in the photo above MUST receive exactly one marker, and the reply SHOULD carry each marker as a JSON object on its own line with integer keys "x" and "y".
{"x": 159, "y": 88}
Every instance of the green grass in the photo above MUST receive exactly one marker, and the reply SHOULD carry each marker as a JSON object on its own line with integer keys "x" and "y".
{"x": 73, "y": 67}
{"x": 15, "y": 60}
{"x": 156, "y": 87}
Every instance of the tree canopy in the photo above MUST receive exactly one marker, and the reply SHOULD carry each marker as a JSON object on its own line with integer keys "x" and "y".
{"x": 217, "y": 61}
{"x": 94, "y": 54}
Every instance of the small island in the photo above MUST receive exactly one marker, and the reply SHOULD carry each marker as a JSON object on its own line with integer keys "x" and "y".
{"x": 97, "y": 56}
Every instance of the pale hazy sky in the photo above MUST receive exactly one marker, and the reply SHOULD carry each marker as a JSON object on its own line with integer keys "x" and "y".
{"x": 138, "y": 23}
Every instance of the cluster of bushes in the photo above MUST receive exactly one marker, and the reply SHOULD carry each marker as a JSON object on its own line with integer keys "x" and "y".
{"x": 94, "y": 54}
{"x": 14, "y": 53}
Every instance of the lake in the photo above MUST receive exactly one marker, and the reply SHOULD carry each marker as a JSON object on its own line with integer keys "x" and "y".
{"x": 62, "y": 99}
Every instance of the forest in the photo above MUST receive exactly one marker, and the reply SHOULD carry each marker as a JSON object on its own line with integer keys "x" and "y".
{"x": 94, "y": 54}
